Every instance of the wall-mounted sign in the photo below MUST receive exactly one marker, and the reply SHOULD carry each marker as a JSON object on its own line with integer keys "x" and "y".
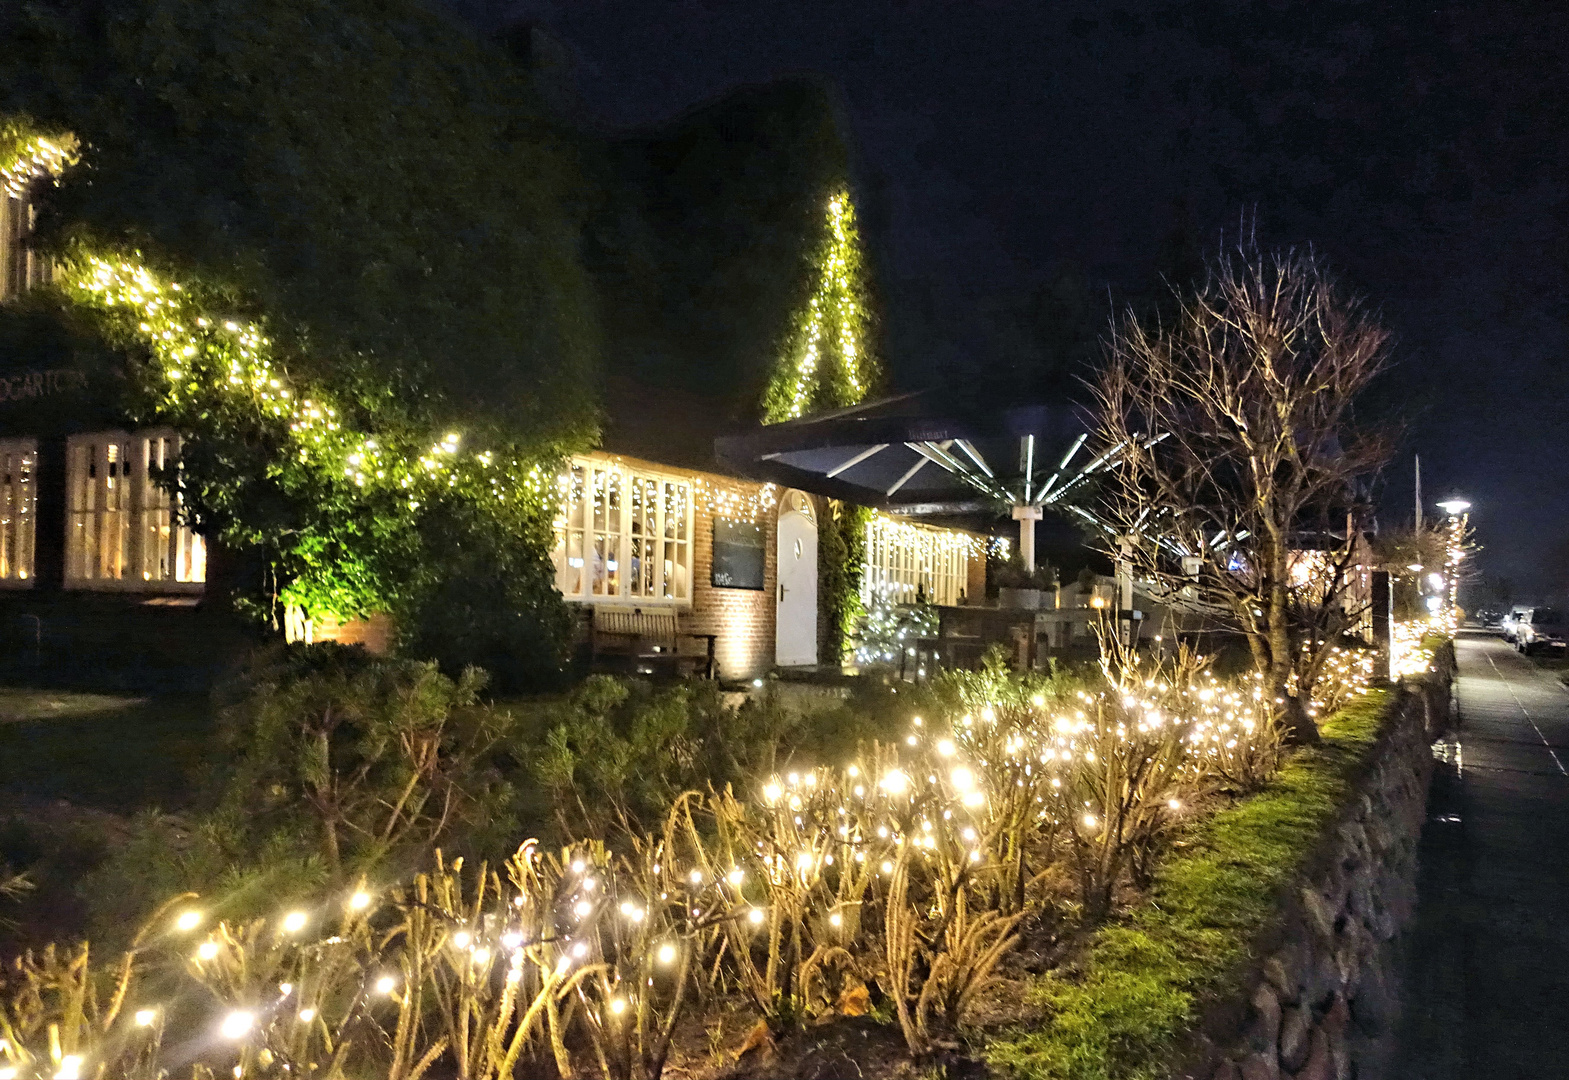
{"x": 29, "y": 385}
{"x": 738, "y": 554}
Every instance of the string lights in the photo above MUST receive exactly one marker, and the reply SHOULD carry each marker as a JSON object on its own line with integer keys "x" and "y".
{"x": 211, "y": 369}
{"x": 735, "y": 502}
{"x": 731, "y": 500}
{"x": 827, "y": 364}
{"x": 27, "y": 154}
{"x": 1454, "y": 553}
{"x": 889, "y": 629}
{"x": 906, "y": 562}
{"x": 1410, "y": 653}
{"x": 1344, "y": 673}
{"x": 206, "y": 362}
{"x": 828, "y": 851}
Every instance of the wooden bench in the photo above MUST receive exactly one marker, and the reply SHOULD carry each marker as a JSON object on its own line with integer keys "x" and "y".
{"x": 644, "y": 640}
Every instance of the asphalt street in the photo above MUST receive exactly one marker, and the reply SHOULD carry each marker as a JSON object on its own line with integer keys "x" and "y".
{"x": 1487, "y": 980}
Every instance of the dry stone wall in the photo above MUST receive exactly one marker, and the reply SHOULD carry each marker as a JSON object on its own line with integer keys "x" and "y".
{"x": 1325, "y": 1000}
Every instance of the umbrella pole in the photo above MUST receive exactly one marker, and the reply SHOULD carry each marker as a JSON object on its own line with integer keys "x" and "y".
{"x": 1027, "y": 516}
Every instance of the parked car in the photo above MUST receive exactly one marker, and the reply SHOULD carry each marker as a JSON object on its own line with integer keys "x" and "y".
{"x": 1511, "y": 621}
{"x": 1540, "y": 629}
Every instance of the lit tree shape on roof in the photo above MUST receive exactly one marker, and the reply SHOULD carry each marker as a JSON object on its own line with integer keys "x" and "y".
{"x": 826, "y": 363}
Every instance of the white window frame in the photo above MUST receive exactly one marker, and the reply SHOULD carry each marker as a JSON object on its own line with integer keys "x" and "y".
{"x": 18, "y": 512}
{"x": 122, "y": 529}
{"x": 616, "y": 545}
{"x": 21, "y": 268}
{"x": 904, "y": 558}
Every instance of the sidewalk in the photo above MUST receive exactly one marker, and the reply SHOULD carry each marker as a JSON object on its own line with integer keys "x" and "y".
{"x": 1487, "y": 982}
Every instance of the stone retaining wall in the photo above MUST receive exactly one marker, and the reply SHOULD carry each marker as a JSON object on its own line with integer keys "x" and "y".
{"x": 1324, "y": 1001}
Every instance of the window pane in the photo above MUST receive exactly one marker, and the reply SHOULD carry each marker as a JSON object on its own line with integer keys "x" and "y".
{"x": 905, "y": 563}
{"x": 569, "y": 577}
{"x": 634, "y": 538}
{"x": 192, "y": 562}
{"x": 18, "y": 509}
{"x": 607, "y": 581}
{"x": 122, "y": 524}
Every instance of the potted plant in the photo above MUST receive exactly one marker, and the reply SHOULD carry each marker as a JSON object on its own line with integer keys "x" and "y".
{"x": 1024, "y": 589}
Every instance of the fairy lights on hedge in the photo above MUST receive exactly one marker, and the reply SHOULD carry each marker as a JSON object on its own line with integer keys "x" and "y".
{"x": 210, "y": 370}
{"x": 1345, "y": 673}
{"x": 1409, "y": 648}
{"x": 27, "y": 154}
{"x": 816, "y": 855}
{"x": 827, "y": 363}
{"x": 207, "y": 364}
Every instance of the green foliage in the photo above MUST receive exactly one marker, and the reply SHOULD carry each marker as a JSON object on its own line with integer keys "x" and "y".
{"x": 841, "y": 564}
{"x": 483, "y": 592}
{"x": 887, "y": 632}
{"x": 367, "y": 174}
{"x": 1013, "y": 575}
{"x": 1120, "y": 1012}
{"x": 336, "y": 764}
{"x": 826, "y": 360}
{"x": 898, "y": 870}
{"x": 618, "y": 752}
{"x": 702, "y": 238}
{"x": 377, "y": 758}
{"x": 229, "y": 241}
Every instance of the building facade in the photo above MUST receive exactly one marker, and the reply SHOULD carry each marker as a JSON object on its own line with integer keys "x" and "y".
{"x": 733, "y": 560}
{"x": 89, "y": 507}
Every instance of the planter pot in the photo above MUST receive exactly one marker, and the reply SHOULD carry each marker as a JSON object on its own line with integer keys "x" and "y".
{"x": 1020, "y": 599}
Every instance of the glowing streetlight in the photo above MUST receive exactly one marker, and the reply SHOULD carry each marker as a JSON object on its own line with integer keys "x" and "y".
{"x": 1454, "y": 507}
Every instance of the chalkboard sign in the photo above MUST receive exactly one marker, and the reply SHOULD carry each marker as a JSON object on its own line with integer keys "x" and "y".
{"x": 738, "y": 554}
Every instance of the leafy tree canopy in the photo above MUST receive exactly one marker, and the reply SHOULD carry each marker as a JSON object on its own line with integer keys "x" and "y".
{"x": 333, "y": 244}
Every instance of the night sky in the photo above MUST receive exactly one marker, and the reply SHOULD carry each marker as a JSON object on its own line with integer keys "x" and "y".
{"x": 1420, "y": 148}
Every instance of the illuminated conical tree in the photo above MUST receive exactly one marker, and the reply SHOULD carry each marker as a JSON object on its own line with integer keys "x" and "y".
{"x": 826, "y": 362}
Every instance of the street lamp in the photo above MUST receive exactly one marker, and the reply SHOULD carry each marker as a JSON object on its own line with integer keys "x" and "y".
{"x": 1454, "y": 507}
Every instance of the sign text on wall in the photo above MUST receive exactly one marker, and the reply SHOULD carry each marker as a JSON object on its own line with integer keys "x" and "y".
{"x": 37, "y": 384}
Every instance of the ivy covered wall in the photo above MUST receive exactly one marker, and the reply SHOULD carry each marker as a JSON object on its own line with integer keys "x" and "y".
{"x": 378, "y": 366}
{"x": 841, "y": 561}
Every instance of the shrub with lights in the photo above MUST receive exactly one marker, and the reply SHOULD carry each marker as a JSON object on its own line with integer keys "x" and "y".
{"x": 897, "y": 881}
{"x": 888, "y": 632}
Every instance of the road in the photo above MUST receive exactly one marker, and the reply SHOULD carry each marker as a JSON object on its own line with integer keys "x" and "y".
{"x": 1487, "y": 983}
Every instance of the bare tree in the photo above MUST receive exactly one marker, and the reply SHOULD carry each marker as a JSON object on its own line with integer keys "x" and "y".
{"x": 1237, "y": 468}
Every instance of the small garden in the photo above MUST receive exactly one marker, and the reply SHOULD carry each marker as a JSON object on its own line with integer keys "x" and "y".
{"x": 1037, "y": 875}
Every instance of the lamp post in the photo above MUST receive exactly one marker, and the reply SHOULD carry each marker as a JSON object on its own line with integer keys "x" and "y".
{"x": 1454, "y": 550}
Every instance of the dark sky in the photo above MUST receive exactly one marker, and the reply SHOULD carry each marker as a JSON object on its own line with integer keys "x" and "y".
{"x": 1421, "y": 148}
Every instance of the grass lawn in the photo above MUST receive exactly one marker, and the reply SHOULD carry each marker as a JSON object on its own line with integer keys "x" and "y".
{"x": 74, "y": 769}
{"x": 111, "y": 753}
{"x": 1121, "y": 1010}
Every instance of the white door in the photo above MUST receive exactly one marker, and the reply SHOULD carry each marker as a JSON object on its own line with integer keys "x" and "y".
{"x": 795, "y": 638}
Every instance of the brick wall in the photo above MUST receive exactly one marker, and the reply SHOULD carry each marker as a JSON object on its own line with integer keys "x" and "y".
{"x": 743, "y": 618}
